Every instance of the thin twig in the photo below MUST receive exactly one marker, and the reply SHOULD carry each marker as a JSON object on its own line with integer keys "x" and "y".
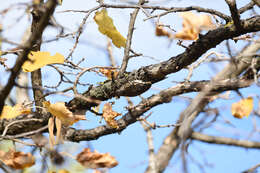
{"x": 19, "y": 121}
{"x": 129, "y": 39}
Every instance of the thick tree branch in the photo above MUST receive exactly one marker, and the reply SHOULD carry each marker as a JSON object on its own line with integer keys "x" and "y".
{"x": 145, "y": 105}
{"x": 232, "y": 70}
{"x": 49, "y": 6}
{"x": 139, "y": 81}
{"x": 160, "y": 98}
{"x": 173, "y": 140}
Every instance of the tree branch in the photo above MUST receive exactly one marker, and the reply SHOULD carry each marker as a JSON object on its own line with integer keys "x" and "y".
{"x": 139, "y": 81}
{"x": 225, "y": 141}
{"x": 173, "y": 140}
{"x": 129, "y": 38}
{"x": 234, "y": 13}
{"x": 49, "y": 6}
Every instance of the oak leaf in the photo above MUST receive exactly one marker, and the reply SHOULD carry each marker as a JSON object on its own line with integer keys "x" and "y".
{"x": 12, "y": 112}
{"x": 96, "y": 160}
{"x": 243, "y": 108}
{"x": 107, "y": 27}
{"x": 40, "y": 59}
{"x": 17, "y": 159}
{"x": 109, "y": 115}
{"x": 60, "y": 111}
{"x": 193, "y": 24}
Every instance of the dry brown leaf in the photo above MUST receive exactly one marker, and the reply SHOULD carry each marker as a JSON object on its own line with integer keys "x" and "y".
{"x": 96, "y": 160}
{"x": 109, "y": 115}
{"x": 12, "y": 112}
{"x": 160, "y": 31}
{"x": 17, "y": 159}
{"x": 58, "y": 124}
{"x": 193, "y": 24}
{"x": 51, "y": 135}
{"x": 109, "y": 73}
{"x": 60, "y": 110}
{"x": 243, "y": 108}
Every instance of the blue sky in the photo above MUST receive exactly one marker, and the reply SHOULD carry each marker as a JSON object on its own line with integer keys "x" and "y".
{"x": 130, "y": 147}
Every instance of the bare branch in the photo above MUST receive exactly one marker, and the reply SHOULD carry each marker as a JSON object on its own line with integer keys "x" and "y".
{"x": 129, "y": 39}
{"x": 225, "y": 141}
{"x": 234, "y": 13}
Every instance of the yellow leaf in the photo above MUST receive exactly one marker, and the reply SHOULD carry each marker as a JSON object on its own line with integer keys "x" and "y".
{"x": 109, "y": 115}
{"x": 16, "y": 159}
{"x": 243, "y": 108}
{"x": 193, "y": 24}
{"x": 107, "y": 27}
{"x": 12, "y": 112}
{"x": 63, "y": 113}
{"x": 40, "y": 59}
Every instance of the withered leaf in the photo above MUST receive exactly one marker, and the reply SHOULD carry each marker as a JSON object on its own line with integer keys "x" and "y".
{"x": 243, "y": 108}
{"x": 109, "y": 115}
{"x": 193, "y": 24}
{"x": 63, "y": 113}
{"x": 17, "y": 159}
{"x": 96, "y": 160}
{"x": 109, "y": 73}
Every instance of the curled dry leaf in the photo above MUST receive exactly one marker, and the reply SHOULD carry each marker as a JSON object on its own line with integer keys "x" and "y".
{"x": 193, "y": 24}
{"x": 40, "y": 59}
{"x": 109, "y": 115}
{"x": 243, "y": 108}
{"x": 107, "y": 27}
{"x": 96, "y": 160}
{"x": 60, "y": 111}
{"x": 51, "y": 129}
{"x": 12, "y": 112}
{"x": 109, "y": 73}
{"x": 17, "y": 159}
{"x": 160, "y": 31}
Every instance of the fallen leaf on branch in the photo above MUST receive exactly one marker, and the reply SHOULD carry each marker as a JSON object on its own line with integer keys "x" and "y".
{"x": 63, "y": 117}
{"x": 60, "y": 111}
{"x": 192, "y": 25}
{"x": 40, "y": 59}
{"x": 10, "y": 112}
{"x": 109, "y": 115}
{"x": 96, "y": 160}
{"x": 17, "y": 159}
{"x": 243, "y": 108}
{"x": 109, "y": 73}
{"x": 107, "y": 27}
